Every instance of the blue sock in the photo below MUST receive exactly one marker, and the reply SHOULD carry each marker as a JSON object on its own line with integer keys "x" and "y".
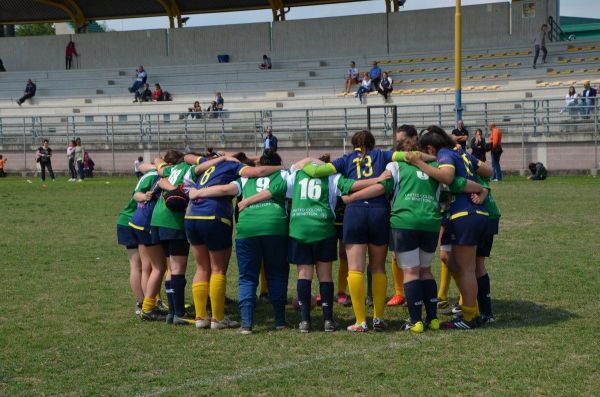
{"x": 304, "y": 298}
{"x": 414, "y": 300}
{"x": 430, "y": 298}
{"x": 484, "y": 298}
{"x": 178, "y": 283}
{"x": 326, "y": 290}
{"x": 170, "y": 300}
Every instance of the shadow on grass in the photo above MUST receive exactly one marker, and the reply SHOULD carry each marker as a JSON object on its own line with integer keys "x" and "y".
{"x": 523, "y": 314}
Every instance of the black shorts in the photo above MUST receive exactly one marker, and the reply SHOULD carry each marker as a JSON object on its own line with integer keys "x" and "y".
{"x": 126, "y": 237}
{"x": 214, "y": 233}
{"x": 147, "y": 238}
{"x": 405, "y": 240}
{"x": 484, "y": 248}
{"x": 173, "y": 241}
{"x": 308, "y": 254}
{"x": 339, "y": 231}
{"x": 465, "y": 230}
{"x": 366, "y": 225}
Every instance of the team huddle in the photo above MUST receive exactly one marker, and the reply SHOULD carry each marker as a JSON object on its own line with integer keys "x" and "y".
{"x": 427, "y": 192}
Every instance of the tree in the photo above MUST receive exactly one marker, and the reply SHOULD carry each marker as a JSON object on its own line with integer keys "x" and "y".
{"x": 36, "y": 29}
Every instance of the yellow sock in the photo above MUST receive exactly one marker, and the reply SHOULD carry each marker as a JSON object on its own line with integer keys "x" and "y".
{"x": 460, "y": 300}
{"x": 217, "y": 296}
{"x": 444, "y": 283}
{"x": 264, "y": 288}
{"x": 398, "y": 278}
{"x": 356, "y": 285}
{"x": 149, "y": 304}
{"x": 343, "y": 275}
{"x": 379, "y": 288}
{"x": 200, "y": 296}
{"x": 469, "y": 312}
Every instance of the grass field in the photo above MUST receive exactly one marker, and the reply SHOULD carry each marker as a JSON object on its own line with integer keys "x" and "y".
{"x": 67, "y": 325}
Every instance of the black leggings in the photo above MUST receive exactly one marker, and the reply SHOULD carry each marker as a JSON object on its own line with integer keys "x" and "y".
{"x": 44, "y": 165}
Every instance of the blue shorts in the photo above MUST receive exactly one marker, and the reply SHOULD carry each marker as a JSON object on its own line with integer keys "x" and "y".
{"x": 173, "y": 241}
{"x": 215, "y": 233}
{"x": 126, "y": 237}
{"x": 339, "y": 231}
{"x": 366, "y": 225}
{"x": 465, "y": 230}
{"x": 492, "y": 226}
{"x": 308, "y": 254}
{"x": 147, "y": 238}
{"x": 404, "y": 240}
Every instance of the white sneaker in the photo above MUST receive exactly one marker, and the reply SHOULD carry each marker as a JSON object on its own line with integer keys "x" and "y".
{"x": 226, "y": 323}
{"x": 79, "y": 180}
{"x": 72, "y": 180}
{"x": 202, "y": 322}
{"x": 358, "y": 327}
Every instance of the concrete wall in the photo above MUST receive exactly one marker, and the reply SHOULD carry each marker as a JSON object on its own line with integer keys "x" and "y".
{"x": 353, "y": 36}
{"x": 484, "y": 26}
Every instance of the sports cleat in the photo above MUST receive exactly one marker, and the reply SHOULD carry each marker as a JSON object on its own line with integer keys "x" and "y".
{"x": 264, "y": 298}
{"x": 329, "y": 326}
{"x": 304, "y": 327}
{"x": 358, "y": 327}
{"x": 342, "y": 298}
{"x": 154, "y": 315}
{"x": 182, "y": 321}
{"x": 484, "y": 319}
{"x": 280, "y": 327}
{"x": 225, "y": 323}
{"x": 442, "y": 303}
{"x": 202, "y": 323}
{"x": 434, "y": 324}
{"x": 459, "y": 323}
{"x": 396, "y": 300}
{"x": 416, "y": 328}
{"x": 162, "y": 307}
{"x": 246, "y": 331}
{"x": 169, "y": 319}
{"x": 138, "y": 308}
{"x": 452, "y": 310}
{"x": 379, "y": 325}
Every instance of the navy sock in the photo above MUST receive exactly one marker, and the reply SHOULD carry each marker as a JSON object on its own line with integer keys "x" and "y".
{"x": 170, "y": 300}
{"x": 413, "y": 292}
{"x": 304, "y": 298}
{"x": 429, "y": 298}
{"x": 369, "y": 286}
{"x": 484, "y": 296}
{"x": 326, "y": 290}
{"x": 178, "y": 283}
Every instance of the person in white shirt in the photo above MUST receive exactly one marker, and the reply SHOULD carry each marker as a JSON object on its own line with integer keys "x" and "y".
{"x": 366, "y": 85}
{"x": 140, "y": 79}
{"x": 71, "y": 160}
{"x": 572, "y": 101}
{"x": 136, "y": 167}
{"x": 351, "y": 77}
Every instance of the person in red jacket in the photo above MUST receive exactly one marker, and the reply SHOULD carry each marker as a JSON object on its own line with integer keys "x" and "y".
{"x": 69, "y": 52}
{"x": 496, "y": 149}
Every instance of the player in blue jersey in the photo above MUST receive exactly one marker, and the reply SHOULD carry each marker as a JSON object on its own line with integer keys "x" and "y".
{"x": 208, "y": 225}
{"x": 366, "y": 226}
{"x": 467, "y": 221}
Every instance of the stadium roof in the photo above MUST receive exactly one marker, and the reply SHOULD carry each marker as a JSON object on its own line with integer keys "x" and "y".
{"x": 35, "y": 11}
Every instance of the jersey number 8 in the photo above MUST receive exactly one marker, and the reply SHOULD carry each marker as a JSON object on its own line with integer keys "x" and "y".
{"x": 206, "y": 175}
{"x": 310, "y": 188}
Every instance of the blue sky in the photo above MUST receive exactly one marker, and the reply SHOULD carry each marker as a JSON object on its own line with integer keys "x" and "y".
{"x": 581, "y": 8}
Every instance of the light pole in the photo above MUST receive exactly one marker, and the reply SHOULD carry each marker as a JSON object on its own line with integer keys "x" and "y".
{"x": 458, "y": 62}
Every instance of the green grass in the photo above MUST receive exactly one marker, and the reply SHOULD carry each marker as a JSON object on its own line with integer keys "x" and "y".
{"x": 67, "y": 324}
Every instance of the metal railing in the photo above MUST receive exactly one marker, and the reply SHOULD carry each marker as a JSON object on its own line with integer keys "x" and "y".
{"x": 525, "y": 121}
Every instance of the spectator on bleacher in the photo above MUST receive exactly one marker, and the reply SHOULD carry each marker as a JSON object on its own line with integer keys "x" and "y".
{"x": 69, "y": 52}
{"x": 195, "y": 112}
{"x": 44, "y": 158}
{"x": 266, "y": 63}
{"x": 366, "y": 85}
{"x": 2, "y": 69}
{"x": 2, "y": 163}
{"x": 351, "y": 77}
{"x": 78, "y": 158}
{"x": 495, "y": 147}
{"x": 589, "y": 99}
{"x": 385, "y": 86}
{"x": 461, "y": 134}
{"x": 212, "y": 110}
{"x": 140, "y": 79}
{"x": 540, "y": 44}
{"x": 270, "y": 142}
{"x": 478, "y": 145}
{"x": 220, "y": 101}
{"x": 71, "y": 160}
{"x": 538, "y": 171}
{"x": 30, "y": 89}
{"x": 572, "y": 102}
{"x": 157, "y": 94}
{"x": 375, "y": 74}
{"x": 143, "y": 95}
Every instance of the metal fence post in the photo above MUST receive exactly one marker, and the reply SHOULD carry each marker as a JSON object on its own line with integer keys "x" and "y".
{"x": 345, "y": 129}
{"x": 485, "y": 117}
{"x": 595, "y": 136}
{"x": 523, "y": 133}
{"x": 205, "y": 141}
{"x": 112, "y": 121}
{"x": 547, "y": 117}
{"x": 255, "y": 134}
{"x": 24, "y": 147}
{"x": 158, "y": 132}
{"x": 439, "y": 115}
{"x": 306, "y": 133}
{"x": 107, "y": 133}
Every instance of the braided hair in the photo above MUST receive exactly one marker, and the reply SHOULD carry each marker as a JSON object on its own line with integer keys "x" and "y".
{"x": 364, "y": 141}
